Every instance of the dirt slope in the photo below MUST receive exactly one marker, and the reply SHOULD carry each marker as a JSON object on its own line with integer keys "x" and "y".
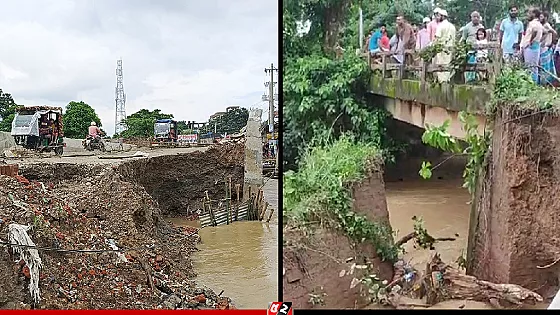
{"x": 85, "y": 212}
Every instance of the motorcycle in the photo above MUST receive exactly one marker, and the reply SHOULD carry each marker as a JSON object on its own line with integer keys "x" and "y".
{"x": 91, "y": 143}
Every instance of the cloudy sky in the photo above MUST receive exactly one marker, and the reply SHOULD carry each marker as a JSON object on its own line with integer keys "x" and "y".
{"x": 188, "y": 58}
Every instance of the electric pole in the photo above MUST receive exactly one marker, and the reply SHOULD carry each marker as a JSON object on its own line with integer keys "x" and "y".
{"x": 271, "y": 97}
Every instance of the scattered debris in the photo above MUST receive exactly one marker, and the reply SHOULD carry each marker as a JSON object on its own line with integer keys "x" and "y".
{"x": 96, "y": 251}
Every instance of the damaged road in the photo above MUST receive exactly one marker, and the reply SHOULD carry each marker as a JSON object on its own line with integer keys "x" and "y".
{"x": 99, "y": 232}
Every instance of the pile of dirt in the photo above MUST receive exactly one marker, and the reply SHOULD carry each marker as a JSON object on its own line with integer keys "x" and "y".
{"x": 95, "y": 213}
{"x": 179, "y": 182}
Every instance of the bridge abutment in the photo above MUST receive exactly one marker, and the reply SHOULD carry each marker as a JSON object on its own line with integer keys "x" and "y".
{"x": 515, "y": 221}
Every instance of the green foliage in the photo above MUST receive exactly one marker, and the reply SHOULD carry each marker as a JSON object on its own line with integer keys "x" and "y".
{"x": 141, "y": 123}
{"x": 476, "y": 150}
{"x": 421, "y": 237}
{"x": 477, "y": 145}
{"x": 325, "y": 96}
{"x": 515, "y": 88}
{"x": 426, "y": 170}
{"x": 182, "y": 128}
{"x": 490, "y": 11}
{"x": 320, "y": 192}
{"x": 7, "y": 111}
{"x": 230, "y": 122}
{"x": 77, "y": 119}
{"x": 438, "y": 137}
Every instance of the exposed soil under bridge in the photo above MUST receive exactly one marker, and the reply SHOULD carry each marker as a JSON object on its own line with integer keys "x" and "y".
{"x": 88, "y": 204}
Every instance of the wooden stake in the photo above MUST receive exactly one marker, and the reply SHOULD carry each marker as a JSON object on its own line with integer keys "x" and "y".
{"x": 264, "y": 211}
{"x": 270, "y": 216}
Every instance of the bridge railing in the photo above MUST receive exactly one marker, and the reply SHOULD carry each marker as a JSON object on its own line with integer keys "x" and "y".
{"x": 415, "y": 67}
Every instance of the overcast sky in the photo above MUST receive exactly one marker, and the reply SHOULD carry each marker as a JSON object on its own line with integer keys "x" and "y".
{"x": 188, "y": 58}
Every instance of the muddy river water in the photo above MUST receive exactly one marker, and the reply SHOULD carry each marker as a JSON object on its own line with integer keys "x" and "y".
{"x": 443, "y": 206}
{"x": 241, "y": 258}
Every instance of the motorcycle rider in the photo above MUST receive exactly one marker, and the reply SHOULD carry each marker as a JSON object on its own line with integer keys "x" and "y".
{"x": 94, "y": 132}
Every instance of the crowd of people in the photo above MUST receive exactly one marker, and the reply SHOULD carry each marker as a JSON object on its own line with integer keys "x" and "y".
{"x": 530, "y": 43}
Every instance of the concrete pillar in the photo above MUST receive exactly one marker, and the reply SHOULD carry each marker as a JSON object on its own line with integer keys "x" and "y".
{"x": 253, "y": 153}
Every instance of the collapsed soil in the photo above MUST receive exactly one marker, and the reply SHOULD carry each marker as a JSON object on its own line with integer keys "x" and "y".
{"x": 517, "y": 218}
{"x": 314, "y": 259}
{"x": 106, "y": 205}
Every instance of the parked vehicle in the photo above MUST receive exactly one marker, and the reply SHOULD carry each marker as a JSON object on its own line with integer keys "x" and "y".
{"x": 39, "y": 128}
{"x": 165, "y": 133}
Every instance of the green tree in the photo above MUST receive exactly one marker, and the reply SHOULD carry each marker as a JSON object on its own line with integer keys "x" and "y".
{"x": 7, "y": 111}
{"x": 182, "y": 128}
{"x": 230, "y": 122}
{"x": 323, "y": 95}
{"x": 141, "y": 123}
{"x": 77, "y": 119}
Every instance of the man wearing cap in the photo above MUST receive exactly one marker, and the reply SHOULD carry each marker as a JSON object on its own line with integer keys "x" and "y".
{"x": 432, "y": 26}
{"x": 445, "y": 34}
{"x": 423, "y": 36}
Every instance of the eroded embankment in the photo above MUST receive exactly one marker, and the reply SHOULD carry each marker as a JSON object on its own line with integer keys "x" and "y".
{"x": 313, "y": 260}
{"x": 69, "y": 211}
{"x": 516, "y": 224}
{"x": 335, "y": 223}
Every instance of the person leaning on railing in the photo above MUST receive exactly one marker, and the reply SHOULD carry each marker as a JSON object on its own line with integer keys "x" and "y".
{"x": 469, "y": 33}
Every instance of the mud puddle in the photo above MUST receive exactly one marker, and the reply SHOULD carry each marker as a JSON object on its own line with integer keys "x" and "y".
{"x": 241, "y": 259}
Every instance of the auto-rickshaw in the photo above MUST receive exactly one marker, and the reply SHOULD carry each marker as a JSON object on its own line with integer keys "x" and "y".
{"x": 39, "y": 128}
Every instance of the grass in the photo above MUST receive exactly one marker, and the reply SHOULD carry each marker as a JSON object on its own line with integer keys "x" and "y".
{"x": 515, "y": 89}
{"x": 319, "y": 193}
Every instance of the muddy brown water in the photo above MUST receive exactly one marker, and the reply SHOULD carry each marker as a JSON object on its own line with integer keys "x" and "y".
{"x": 241, "y": 258}
{"x": 443, "y": 205}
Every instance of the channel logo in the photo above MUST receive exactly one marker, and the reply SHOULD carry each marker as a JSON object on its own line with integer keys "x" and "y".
{"x": 279, "y": 308}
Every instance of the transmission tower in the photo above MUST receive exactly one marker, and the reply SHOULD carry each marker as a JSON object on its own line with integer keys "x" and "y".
{"x": 120, "y": 100}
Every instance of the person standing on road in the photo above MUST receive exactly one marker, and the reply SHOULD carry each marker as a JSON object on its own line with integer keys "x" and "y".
{"x": 546, "y": 57}
{"x": 445, "y": 35}
{"x": 531, "y": 43}
{"x": 469, "y": 34}
{"x": 511, "y": 31}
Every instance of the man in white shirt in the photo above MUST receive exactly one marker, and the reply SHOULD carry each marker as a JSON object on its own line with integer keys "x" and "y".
{"x": 445, "y": 34}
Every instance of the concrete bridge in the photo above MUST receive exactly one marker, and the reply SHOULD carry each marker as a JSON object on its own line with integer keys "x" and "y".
{"x": 410, "y": 96}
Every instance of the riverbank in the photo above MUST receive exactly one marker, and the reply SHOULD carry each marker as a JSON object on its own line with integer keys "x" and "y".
{"x": 74, "y": 209}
